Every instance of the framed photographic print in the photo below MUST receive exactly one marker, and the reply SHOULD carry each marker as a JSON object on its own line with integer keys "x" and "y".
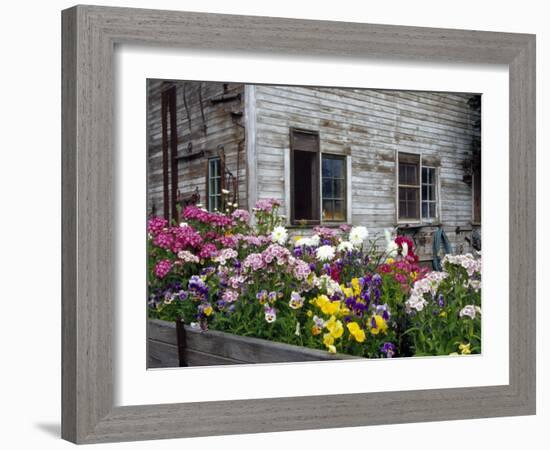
{"x": 265, "y": 229}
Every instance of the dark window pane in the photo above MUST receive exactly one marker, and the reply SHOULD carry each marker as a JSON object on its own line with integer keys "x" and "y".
{"x": 306, "y": 188}
{"x": 425, "y": 192}
{"x": 334, "y": 187}
{"x": 408, "y": 174}
{"x": 338, "y": 210}
{"x": 408, "y": 203}
{"x": 402, "y": 209}
{"x": 214, "y": 184}
{"x": 328, "y": 210}
{"x": 339, "y": 189}
{"x": 431, "y": 192}
{"x": 425, "y": 209}
{"x": 327, "y": 168}
{"x": 432, "y": 210}
{"x": 328, "y": 191}
{"x": 405, "y": 173}
{"x": 339, "y": 168}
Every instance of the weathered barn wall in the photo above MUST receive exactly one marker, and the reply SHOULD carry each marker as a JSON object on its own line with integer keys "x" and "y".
{"x": 372, "y": 126}
{"x": 222, "y": 120}
{"x": 369, "y": 125}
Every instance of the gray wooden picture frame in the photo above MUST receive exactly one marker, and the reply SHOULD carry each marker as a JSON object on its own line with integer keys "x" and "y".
{"x": 90, "y": 34}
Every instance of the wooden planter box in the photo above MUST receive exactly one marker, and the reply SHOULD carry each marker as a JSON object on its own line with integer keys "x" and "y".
{"x": 213, "y": 348}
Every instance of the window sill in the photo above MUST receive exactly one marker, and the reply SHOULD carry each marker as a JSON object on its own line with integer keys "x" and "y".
{"x": 295, "y": 226}
{"x": 412, "y": 225}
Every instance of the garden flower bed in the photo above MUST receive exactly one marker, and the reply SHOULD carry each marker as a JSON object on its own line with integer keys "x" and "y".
{"x": 332, "y": 291}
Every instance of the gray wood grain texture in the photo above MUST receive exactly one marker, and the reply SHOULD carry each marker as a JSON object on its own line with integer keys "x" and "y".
{"x": 369, "y": 125}
{"x": 223, "y": 130}
{"x": 225, "y": 348}
{"x": 89, "y": 36}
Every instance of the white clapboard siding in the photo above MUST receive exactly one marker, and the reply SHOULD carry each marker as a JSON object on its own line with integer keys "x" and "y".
{"x": 369, "y": 125}
{"x": 372, "y": 125}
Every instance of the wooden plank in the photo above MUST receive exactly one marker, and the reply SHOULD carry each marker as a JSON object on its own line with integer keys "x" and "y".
{"x": 241, "y": 348}
{"x": 165, "y": 188}
{"x": 163, "y": 355}
{"x": 172, "y": 106}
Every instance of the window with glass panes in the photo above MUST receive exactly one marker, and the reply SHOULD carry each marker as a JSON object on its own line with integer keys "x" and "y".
{"x": 409, "y": 187}
{"x": 429, "y": 208}
{"x": 333, "y": 174}
{"x": 214, "y": 184}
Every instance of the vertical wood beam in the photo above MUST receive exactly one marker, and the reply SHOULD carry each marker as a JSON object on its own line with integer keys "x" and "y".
{"x": 164, "y": 118}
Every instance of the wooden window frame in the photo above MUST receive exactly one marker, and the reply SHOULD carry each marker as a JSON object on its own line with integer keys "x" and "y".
{"x": 208, "y": 178}
{"x": 410, "y": 158}
{"x": 344, "y": 159}
{"x": 436, "y": 194}
{"x": 316, "y": 194}
{"x": 416, "y": 158}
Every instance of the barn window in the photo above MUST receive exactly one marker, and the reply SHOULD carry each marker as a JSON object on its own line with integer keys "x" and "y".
{"x": 429, "y": 201}
{"x": 334, "y": 188}
{"x": 318, "y": 181}
{"x": 304, "y": 176}
{"x": 417, "y": 189}
{"x": 409, "y": 187}
{"x": 214, "y": 184}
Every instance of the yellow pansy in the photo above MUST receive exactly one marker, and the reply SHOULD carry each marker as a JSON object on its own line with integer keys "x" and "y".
{"x": 348, "y": 292}
{"x": 390, "y": 261}
{"x": 465, "y": 349}
{"x": 356, "y": 286}
{"x": 331, "y": 348}
{"x": 356, "y": 331}
{"x": 378, "y": 324}
{"x": 309, "y": 313}
{"x": 328, "y": 339}
{"x": 328, "y": 307}
{"x": 208, "y": 310}
{"x": 335, "y": 327}
{"x": 443, "y": 314}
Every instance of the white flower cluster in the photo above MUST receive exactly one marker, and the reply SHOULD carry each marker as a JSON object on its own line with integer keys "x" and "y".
{"x": 324, "y": 282}
{"x": 358, "y": 235}
{"x": 426, "y": 285}
{"x": 279, "y": 235}
{"x": 187, "y": 256}
{"x": 470, "y": 311}
{"x": 345, "y": 246}
{"x": 312, "y": 241}
{"x": 325, "y": 253}
{"x": 474, "y": 284}
{"x": 471, "y": 264}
